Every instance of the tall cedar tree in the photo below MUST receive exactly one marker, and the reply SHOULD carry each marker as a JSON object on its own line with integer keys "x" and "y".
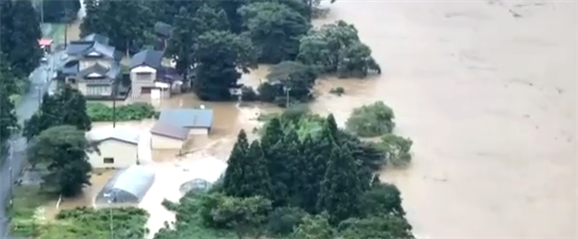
{"x": 20, "y": 35}
{"x": 247, "y": 174}
{"x": 6, "y": 27}
{"x": 231, "y": 8}
{"x": 318, "y": 152}
{"x": 235, "y": 170}
{"x": 182, "y": 42}
{"x": 91, "y": 22}
{"x": 341, "y": 188}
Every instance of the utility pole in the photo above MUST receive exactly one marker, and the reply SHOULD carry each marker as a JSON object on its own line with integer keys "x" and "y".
{"x": 10, "y": 173}
{"x": 41, "y": 11}
{"x": 286, "y": 89}
{"x": 114, "y": 93}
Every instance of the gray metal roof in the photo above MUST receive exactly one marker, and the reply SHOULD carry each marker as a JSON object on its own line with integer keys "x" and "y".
{"x": 188, "y": 118}
{"x": 129, "y": 185}
{"x": 97, "y": 38}
{"x": 149, "y": 58}
{"x": 168, "y": 130}
{"x": 80, "y": 48}
{"x": 163, "y": 29}
{"x": 75, "y": 48}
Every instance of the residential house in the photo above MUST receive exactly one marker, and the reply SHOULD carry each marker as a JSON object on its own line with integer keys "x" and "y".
{"x": 93, "y": 67}
{"x": 118, "y": 147}
{"x": 163, "y": 32}
{"x": 198, "y": 121}
{"x": 149, "y": 76}
{"x": 167, "y": 136}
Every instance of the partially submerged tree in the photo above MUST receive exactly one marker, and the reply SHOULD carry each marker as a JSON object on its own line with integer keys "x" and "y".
{"x": 337, "y": 49}
{"x": 315, "y": 227}
{"x": 63, "y": 149}
{"x": 382, "y": 227}
{"x": 371, "y": 120}
{"x": 218, "y": 55}
{"x": 291, "y": 79}
{"x": 397, "y": 149}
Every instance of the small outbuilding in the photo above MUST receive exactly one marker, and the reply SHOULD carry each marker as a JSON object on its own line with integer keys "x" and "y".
{"x": 168, "y": 136}
{"x": 198, "y": 121}
{"x": 127, "y": 186}
{"x": 118, "y": 147}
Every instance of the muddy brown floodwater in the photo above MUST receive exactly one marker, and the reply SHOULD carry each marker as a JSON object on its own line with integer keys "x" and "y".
{"x": 487, "y": 91}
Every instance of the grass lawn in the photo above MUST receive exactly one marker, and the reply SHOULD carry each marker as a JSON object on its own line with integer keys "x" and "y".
{"x": 26, "y": 204}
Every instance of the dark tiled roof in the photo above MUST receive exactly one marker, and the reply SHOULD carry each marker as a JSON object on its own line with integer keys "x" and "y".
{"x": 109, "y": 73}
{"x": 149, "y": 58}
{"x": 80, "y": 48}
{"x": 188, "y": 118}
{"x": 75, "y": 48}
{"x": 163, "y": 29}
{"x": 167, "y": 130}
{"x": 95, "y": 37}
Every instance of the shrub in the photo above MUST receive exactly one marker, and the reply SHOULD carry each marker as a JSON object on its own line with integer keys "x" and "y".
{"x": 248, "y": 94}
{"x": 337, "y": 91}
{"x": 397, "y": 149}
{"x": 371, "y": 120}
{"x": 135, "y": 111}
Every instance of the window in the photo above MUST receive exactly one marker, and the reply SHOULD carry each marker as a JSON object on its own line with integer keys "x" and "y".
{"x": 98, "y": 90}
{"x": 108, "y": 160}
{"x": 144, "y": 76}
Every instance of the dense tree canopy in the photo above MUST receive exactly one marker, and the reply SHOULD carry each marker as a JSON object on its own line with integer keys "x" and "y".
{"x": 337, "y": 49}
{"x": 275, "y": 29}
{"x": 63, "y": 150}
{"x": 58, "y": 11}
{"x": 371, "y": 120}
{"x": 8, "y": 121}
{"x": 288, "y": 78}
{"x": 218, "y": 55}
{"x": 20, "y": 26}
{"x": 128, "y": 24}
{"x": 67, "y": 107}
{"x": 321, "y": 182}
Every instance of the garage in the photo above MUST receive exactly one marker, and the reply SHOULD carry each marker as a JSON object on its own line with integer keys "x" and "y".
{"x": 166, "y": 136}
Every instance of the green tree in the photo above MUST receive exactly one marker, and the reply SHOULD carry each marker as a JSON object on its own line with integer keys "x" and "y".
{"x": 67, "y": 107}
{"x": 246, "y": 216}
{"x": 336, "y": 48}
{"x": 60, "y": 11}
{"x": 231, "y": 8}
{"x": 8, "y": 120}
{"x": 218, "y": 55}
{"x": 91, "y": 22}
{"x": 317, "y": 152}
{"x": 6, "y": 27}
{"x": 275, "y": 29}
{"x": 341, "y": 188}
{"x": 129, "y": 24}
{"x": 210, "y": 19}
{"x": 382, "y": 199}
{"x": 20, "y": 35}
{"x": 63, "y": 149}
{"x": 397, "y": 149}
{"x": 382, "y": 227}
{"x": 371, "y": 120}
{"x": 315, "y": 227}
{"x": 288, "y": 78}
{"x": 246, "y": 174}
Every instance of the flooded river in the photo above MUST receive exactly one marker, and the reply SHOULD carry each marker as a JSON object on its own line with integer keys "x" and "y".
{"x": 487, "y": 91}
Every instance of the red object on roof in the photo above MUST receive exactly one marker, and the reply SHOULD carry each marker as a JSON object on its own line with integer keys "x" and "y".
{"x": 45, "y": 42}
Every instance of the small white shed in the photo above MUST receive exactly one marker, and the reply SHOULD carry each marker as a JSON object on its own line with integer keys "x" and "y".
{"x": 118, "y": 147}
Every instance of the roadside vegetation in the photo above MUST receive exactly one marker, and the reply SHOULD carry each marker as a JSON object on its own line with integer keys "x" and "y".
{"x": 99, "y": 112}
{"x": 304, "y": 178}
{"x": 29, "y": 220}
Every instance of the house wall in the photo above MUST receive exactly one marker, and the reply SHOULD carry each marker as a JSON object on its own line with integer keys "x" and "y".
{"x": 199, "y": 131}
{"x": 124, "y": 154}
{"x": 138, "y": 81}
{"x": 81, "y": 86}
{"x": 88, "y": 62}
{"x": 161, "y": 142}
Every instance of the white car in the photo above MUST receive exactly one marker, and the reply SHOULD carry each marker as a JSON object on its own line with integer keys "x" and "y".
{"x": 43, "y": 59}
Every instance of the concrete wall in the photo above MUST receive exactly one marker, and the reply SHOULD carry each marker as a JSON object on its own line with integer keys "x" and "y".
{"x": 124, "y": 154}
{"x": 199, "y": 131}
{"x": 161, "y": 142}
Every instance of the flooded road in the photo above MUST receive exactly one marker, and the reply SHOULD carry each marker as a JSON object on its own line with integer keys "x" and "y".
{"x": 487, "y": 92}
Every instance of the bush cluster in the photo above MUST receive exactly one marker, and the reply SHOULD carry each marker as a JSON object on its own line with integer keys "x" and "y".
{"x": 135, "y": 111}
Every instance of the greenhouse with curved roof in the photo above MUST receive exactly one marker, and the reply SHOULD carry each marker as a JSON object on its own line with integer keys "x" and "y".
{"x": 127, "y": 186}
{"x": 205, "y": 173}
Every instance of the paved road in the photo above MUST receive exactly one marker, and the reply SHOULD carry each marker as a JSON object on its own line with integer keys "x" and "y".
{"x": 40, "y": 81}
